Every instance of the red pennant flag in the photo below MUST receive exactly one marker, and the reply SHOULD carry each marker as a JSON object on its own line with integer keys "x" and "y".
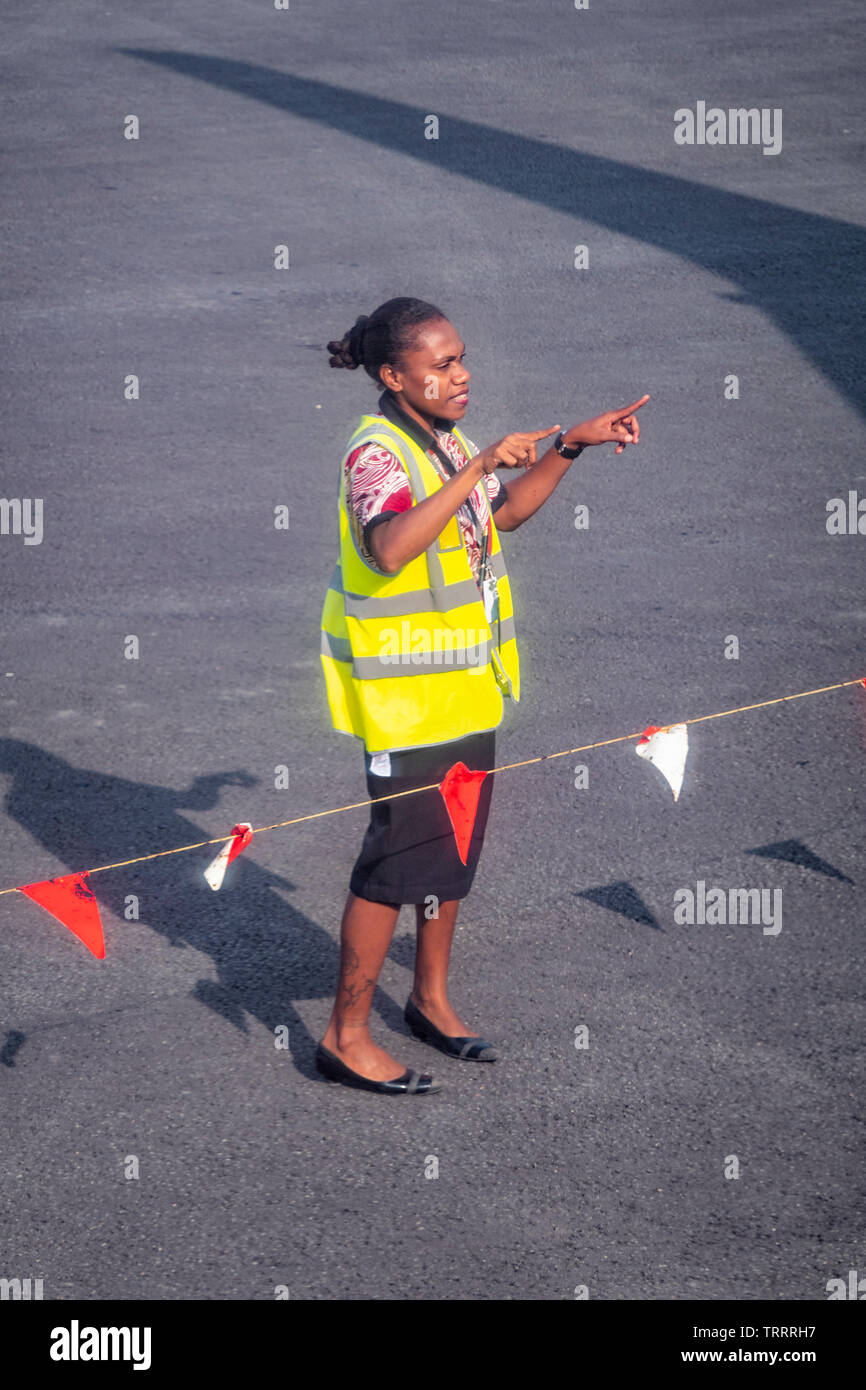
{"x": 461, "y": 790}
{"x": 216, "y": 869}
{"x": 71, "y": 901}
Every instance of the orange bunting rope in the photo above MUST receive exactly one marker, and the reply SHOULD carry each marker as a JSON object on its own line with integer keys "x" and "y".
{"x": 506, "y": 767}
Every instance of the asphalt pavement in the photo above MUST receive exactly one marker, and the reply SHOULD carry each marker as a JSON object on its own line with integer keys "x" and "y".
{"x": 707, "y": 1142}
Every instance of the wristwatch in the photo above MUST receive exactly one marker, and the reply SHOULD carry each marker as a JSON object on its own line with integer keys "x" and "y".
{"x": 562, "y": 448}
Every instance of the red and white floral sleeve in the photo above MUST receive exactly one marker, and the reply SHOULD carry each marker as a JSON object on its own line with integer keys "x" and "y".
{"x": 376, "y": 483}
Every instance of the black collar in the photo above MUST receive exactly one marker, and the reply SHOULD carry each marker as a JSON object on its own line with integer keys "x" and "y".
{"x": 423, "y": 438}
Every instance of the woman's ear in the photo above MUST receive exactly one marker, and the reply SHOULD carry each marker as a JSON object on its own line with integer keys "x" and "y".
{"x": 389, "y": 378}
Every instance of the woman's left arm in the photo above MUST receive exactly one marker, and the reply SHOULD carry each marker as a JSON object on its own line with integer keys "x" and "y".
{"x": 527, "y": 493}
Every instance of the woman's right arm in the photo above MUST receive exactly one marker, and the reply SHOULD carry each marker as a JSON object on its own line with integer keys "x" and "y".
{"x": 403, "y": 538}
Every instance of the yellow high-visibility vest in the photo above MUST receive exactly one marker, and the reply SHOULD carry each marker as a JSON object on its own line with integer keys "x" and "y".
{"x": 410, "y": 659}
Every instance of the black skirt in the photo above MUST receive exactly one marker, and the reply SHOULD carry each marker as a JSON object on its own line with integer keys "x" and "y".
{"x": 409, "y": 851}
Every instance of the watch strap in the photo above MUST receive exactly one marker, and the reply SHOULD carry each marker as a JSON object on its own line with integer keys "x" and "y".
{"x": 562, "y": 448}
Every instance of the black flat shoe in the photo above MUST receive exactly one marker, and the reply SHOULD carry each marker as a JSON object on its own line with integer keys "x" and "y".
{"x": 411, "y": 1083}
{"x": 466, "y": 1049}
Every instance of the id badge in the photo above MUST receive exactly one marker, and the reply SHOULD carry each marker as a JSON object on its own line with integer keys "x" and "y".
{"x": 491, "y": 598}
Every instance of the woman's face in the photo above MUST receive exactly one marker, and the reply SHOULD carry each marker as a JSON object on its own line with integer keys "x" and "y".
{"x": 432, "y": 379}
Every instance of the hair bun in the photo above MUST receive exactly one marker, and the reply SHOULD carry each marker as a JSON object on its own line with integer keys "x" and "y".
{"x": 340, "y": 354}
{"x": 348, "y": 351}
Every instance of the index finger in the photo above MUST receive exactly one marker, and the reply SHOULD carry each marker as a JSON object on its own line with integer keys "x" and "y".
{"x": 629, "y": 408}
{"x": 541, "y": 434}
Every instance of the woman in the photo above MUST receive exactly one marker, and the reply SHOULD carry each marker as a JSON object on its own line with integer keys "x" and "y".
{"x": 418, "y": 650}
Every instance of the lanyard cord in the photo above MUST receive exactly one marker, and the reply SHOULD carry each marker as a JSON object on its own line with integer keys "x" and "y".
{"x": 392, "y": 411}
{"x": 483, "y": 542}
{"x": 481, "y": 534}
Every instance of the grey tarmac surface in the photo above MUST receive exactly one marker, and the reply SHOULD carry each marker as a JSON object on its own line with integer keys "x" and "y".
{"x": 559, "y": 1167}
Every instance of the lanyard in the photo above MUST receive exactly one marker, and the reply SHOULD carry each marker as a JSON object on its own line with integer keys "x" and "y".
{"x": 391, "y": 410}
{"x": 481, "y": 531}
{"x": 488, "y": 586}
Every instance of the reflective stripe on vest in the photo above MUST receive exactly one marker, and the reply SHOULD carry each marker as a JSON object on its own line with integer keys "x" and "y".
{"x": 426, "y": 622}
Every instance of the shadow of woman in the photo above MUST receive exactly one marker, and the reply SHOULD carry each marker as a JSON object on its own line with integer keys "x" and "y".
{"x": 266, "y": 954}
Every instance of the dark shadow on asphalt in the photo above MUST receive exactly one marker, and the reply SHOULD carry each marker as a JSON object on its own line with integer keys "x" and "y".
{"x": 265, "y": 953}
{"x": 795, "y": 852}
{"x": 804, "y": 271}
{"x": 12, "y": 1045}
{"x": 622, "y": 898}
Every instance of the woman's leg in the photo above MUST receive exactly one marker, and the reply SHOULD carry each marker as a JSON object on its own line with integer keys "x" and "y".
{"x": 432, "y": 956}
{"x": 365, "y": 935}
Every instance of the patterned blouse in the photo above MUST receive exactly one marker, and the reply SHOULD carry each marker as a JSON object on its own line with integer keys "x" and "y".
{"x": 378, "y": 487}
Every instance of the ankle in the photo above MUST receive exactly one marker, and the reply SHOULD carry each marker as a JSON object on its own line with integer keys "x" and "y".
{"x": 352, "y": 1032}
{"x": 429, "y": 999}
{"x": 349, "y": 1032}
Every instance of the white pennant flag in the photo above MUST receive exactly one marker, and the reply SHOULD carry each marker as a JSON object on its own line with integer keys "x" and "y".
{"x": 666, "y": 749}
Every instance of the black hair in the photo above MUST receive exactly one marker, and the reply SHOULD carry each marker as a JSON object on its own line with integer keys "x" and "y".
{"x": 384, "y": 336}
